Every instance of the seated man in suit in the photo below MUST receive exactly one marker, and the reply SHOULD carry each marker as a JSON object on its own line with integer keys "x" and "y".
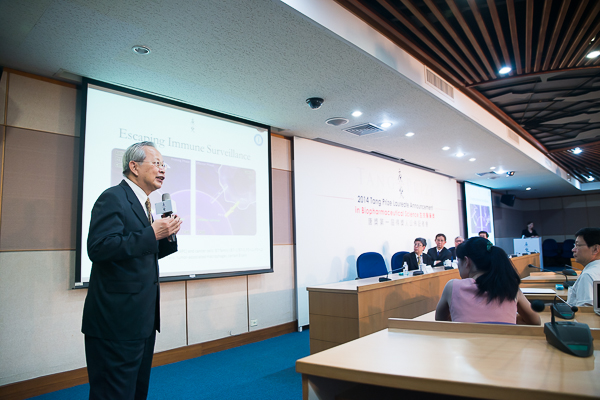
{"x": 457, "y": 240}
{"x": 417, "y": 256}
{"x": 439, "y": 253}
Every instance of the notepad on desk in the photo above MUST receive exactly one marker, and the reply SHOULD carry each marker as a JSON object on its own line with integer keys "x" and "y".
{"x": 537, "y": 291}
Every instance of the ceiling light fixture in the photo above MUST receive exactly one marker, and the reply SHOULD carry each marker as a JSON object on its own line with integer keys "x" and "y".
{"x": 386, "y": 124}
{"x": 141, "y": 50}
{"x": 510, "y": 173}
{"x": 504, "y": 70}
{"x": 590, "y": 178}
{"x": 472, "y": 159}
{"x": 445, "y": 148}
{"x": 576, "y": 150}
{"x": 409, "y": 134}
{"x": 593, "y": 54}
{"x": 460, "y": 154}
{"x": 528, "y": 188}
{"x": 356, "y": 113}
{"x": 492, "y": 167}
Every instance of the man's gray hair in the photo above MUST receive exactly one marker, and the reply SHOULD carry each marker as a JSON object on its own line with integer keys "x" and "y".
{"x": 136, "y": 153}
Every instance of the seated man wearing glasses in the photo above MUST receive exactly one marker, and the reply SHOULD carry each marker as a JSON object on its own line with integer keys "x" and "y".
{"x": 417, "y": 257}
{"x": 586, "y": 252}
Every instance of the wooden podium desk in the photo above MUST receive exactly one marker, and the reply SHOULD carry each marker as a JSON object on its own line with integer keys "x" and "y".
{"x": 546, "y": 279}
{"x": 521, "y": 264}
{"x": 344, "y": 311}
{"x": 424, "y": 359}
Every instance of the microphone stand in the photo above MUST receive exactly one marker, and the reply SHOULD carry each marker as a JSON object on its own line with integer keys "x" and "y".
{"x": 384, "y": 279}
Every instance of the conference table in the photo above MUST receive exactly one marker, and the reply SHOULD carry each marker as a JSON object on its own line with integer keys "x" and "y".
{"x": 343, "y": 311}
{"x": 416, "y": 359}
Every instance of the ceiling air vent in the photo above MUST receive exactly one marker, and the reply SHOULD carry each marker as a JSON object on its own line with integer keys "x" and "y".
{"x": 336, "y": 121}
{"x": 437, "y": 82}
{"x": 363, "y": 129}
{"x": 512, "y": 135}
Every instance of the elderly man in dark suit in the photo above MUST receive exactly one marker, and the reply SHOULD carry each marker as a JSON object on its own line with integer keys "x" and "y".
{"x": 439, "y": 253}
{"x": 417, "y": 256}
{"x": 121, "y": 313}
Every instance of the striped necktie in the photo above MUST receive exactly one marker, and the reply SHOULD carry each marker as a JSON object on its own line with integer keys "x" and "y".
{"x": 149, "y": 209}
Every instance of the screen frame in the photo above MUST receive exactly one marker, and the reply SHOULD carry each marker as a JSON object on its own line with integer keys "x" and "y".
{"x": 86, "y": 82}
{"x": 466, "y": 213}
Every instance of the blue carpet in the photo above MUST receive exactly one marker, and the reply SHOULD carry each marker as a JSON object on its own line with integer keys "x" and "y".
{"x": 262, "y": 370}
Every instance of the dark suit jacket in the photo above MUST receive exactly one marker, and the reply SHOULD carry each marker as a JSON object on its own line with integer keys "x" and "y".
{"x": 122, "y": 302}
{"x": 444, "y": 255}
{"x": 411, "y": 260}
{"x": 452, "y": 252}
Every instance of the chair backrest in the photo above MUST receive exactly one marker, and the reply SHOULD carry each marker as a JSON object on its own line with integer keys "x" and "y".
{"x": 550, "y": 248}
{"x": 396, "y": 264}
{"x": 567, "y": 248}
{"x": 370, "y": 264}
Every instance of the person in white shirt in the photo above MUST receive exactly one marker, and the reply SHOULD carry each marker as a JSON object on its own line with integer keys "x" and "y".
{"x": 586, "y": 252}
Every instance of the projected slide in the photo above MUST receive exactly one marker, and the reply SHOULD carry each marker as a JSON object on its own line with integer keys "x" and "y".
{"x": 480, "y": 217}
{"x": 217, "y": 174}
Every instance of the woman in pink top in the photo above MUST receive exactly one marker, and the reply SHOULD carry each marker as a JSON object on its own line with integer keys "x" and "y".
{"x": 489, "y": 288}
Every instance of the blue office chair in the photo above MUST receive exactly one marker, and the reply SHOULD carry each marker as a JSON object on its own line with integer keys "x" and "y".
{"x": 396, "y": 264}
{"x": 370, "y": 264}
{"x": 550, "y": 248}
{"x": 567, "y": 248}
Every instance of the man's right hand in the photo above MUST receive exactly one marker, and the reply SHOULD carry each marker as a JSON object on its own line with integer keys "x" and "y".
{"x": 165, "y": 227}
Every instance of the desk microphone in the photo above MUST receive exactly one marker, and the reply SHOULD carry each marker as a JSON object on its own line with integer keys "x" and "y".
{"x": 570, "y": 337}
{"x": 563, "y": 310}
{"x": 543, "y": 270}
{"x": 383, "y": 279}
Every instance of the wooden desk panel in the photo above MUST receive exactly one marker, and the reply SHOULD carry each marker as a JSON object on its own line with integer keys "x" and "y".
{"x": 344, "y": 311}
{"x": 521, "y": 264}
{"x": 445, "y": 358}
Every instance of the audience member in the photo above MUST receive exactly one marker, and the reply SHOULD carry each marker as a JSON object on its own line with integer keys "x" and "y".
{"x": 457, "y": 240}
{"x": 484, "y": 234}
{"x": 417, "y": 257}
{"x": 529, "y": 231}
{"x": 488, "y": 290}
{"x": 439, "y": 254}
{"x": 587, "y": 253}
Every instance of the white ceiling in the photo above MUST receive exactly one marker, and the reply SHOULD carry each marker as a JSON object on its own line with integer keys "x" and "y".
{"x": 260, "y": 60}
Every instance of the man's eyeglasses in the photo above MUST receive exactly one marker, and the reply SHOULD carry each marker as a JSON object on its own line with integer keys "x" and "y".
{"x": 157, "y": 164}
{"x": 580, "y": 245}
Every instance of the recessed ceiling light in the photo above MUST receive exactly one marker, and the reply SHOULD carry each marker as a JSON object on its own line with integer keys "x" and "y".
{"x": 460, "y": 154}
{"x": 492, "y": 167}
{"x": 576, "y": 150}
{"x": 356, "y": 113}
{"x": 386, "y": 124}
{"x": 472, "y": 159}
{"x": 593, "y": 54}
{"x": 590, "y": 178}
{"x": 141, "y": 50}
{"x": 409, "y": 134}
{"x": 528, "y": 188}
{"x": 445, "y": 148}
{"x": 505, "y": 70}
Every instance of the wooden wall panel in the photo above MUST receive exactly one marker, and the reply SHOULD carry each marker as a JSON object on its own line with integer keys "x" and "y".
{"x": 282, "y": 207}
{"x": 39, "y": 196}
{"x": 41, "y": 105}
{"x": 3, "y": 80}
{"x": 217, "y": 308}
{"x": 272, "y": 297}
{"x": 172, "y": 317}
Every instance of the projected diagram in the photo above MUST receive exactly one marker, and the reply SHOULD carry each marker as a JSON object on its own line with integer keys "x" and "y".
{"x": 225, "y": 200}
{"x": 480, "y": 218}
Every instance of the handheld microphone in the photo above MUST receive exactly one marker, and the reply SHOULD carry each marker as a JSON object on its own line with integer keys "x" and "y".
{"x": 383, "y": 279}
{"x": 165, "y": 208}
